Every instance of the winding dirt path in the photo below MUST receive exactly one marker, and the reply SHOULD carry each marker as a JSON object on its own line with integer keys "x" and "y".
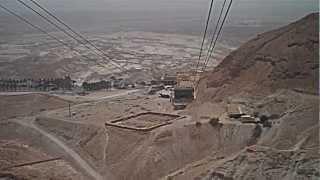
{"x": 75, "y": 156}
{"x": 29, "y": 122}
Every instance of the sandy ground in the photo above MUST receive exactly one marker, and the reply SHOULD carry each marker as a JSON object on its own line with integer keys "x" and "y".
{"x": 29, "y": 104}
{"x": 128, "y": 154}
{"x": 86, "y": 143}
{"x": 21, "y": 144}
{"x": 19, "y": 107}
{"x": 14, "y": 152}
{"x": 107, "y": 109}
{"x": 182, "y": 150}
{"x": 82, "y": 141}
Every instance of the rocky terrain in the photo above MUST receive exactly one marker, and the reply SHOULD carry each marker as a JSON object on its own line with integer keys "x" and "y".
{"x": 276, "y": 76}
{"x": 280, "y": 59}
{"x": 143, "y": 56}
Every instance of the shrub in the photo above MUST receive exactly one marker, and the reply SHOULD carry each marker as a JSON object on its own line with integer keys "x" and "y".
{"x": 198, "y": 124}
{"x": 214, "y": 121}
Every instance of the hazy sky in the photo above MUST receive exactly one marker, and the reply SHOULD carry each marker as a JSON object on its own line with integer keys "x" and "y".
{"x": 166, "y": 15}
{"x": 243, "y": 8}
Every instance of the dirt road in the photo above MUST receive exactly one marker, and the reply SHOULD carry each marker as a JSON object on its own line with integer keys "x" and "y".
{"x": 28, "y": 122}
{"x": 75, "y": 156}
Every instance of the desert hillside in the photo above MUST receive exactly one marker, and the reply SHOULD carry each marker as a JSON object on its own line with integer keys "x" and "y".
{"x": 272, "y": 77}
{"x": 279, "y": 59}
{"x": 255, "y": 117}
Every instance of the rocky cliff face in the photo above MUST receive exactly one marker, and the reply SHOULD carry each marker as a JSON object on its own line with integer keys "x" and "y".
{"x": 274, "y": 75}
{"x": 286, "y": 58}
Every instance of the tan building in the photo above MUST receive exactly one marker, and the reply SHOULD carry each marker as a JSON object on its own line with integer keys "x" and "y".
{"x": 187, "y": 78}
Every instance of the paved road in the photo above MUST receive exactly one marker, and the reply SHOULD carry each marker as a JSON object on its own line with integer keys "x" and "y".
{"x": 18, "y": 93}
{"x": 101, "y": 99}
{"x": 118, "y": 95}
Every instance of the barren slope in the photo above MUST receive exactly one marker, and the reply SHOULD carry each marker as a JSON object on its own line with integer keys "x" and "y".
{"x": 287, "y": 150}
{"x": 136, "y": 155}
{"x": 28, "y": 104}
{"x": 20, "y": 144}
{"x": 275, "y": 75}
{"x": 282, "y": 58}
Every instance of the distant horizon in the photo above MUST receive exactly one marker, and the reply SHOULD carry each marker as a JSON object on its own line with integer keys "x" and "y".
{"x": 246, "y": 17}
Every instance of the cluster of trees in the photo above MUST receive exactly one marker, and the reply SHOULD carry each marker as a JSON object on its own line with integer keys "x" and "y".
{"x": 14, "y": 85}
{"x": 65, "y": 83}
{"x": 96, "y": 85}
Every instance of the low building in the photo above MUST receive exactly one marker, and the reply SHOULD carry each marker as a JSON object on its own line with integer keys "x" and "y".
{"x": 187, "y": 78}
{"x": 168, "y": 80}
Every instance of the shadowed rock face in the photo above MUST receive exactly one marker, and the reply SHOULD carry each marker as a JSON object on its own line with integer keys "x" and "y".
{"x": 280, "y": 59}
